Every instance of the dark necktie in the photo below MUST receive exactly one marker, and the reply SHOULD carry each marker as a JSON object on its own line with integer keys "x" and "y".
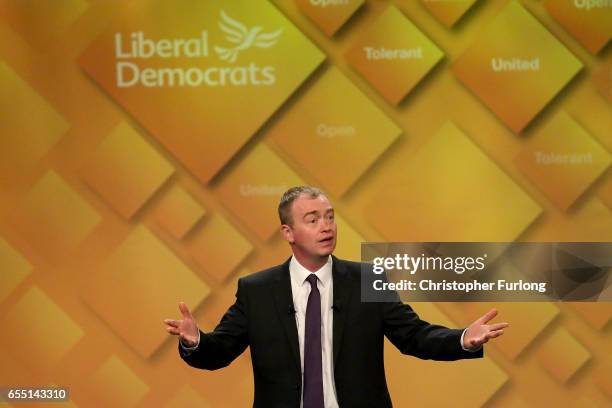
{"x": 313, "y": 366}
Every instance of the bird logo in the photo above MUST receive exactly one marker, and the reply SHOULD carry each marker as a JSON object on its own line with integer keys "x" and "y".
{"x": 237, "y": 33}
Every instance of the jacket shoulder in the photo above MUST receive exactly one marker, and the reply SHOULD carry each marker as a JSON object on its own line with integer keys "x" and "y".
{"x": 263, "y": 277}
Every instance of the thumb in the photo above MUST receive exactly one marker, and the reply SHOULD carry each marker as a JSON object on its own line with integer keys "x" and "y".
{"x": 185, "y": 311}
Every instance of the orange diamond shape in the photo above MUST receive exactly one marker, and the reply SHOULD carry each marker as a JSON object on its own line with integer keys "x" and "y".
{"x": 450, "y": 190}
{"x": 516, "y": 66}
{"x": 143, "y": 270}
{"x": 178, "y": 212}
{"x": 201, "y": 78}
{"x": 597, "y": 314}
{"x": 328, "y": 15}
{"x": 186, "y": 396}
{"x": 24, "y": 140}
{"x": 254, "y": 187}
{"x": 42, "y": 327}
{"x": 54, "y": 218}
{"x": 218, "y": 247}
{"x": 42, "y": 22}
{"x": 126, "y": 171}
{"x": 448, "y": 12}
{"x": 14, "y": 269}
{"x": 590, "y": 22}
{"x": 491, "y": 377}
{"x": 343, "y": 128}
{"x": 562, "y": 160}
{"x": 115, "y": 384}
{"x": 606, "y": 193}
{"x": 603, "y": 79}
{"x": 562, "y": 355}
{"x": 393, "y": 55}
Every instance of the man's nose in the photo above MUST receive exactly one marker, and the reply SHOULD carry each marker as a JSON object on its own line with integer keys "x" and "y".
{"x": 327, "y": 225}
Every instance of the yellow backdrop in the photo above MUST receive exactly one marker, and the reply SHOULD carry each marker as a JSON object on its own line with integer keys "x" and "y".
{"x": 144, "y": 146}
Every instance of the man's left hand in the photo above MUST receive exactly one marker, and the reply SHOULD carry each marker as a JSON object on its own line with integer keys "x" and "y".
{"x": 479, "y": 332}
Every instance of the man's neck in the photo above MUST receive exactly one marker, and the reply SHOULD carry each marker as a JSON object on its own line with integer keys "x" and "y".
{"x": 312, "y": 264}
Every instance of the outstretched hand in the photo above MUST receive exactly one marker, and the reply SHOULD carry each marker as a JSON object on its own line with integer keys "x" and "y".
{"x": 479, "y": 332}
{"x": 186, "y": 329}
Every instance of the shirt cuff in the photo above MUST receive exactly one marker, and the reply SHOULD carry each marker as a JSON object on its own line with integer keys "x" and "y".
{"x": 460, "y": 342}
{"x": 189, "y": 350}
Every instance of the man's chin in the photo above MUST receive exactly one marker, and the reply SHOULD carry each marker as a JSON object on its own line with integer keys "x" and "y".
{"x": 328, "y": 251}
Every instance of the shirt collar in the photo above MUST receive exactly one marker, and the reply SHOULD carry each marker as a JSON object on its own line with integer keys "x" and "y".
{"x": 300, "y": 273}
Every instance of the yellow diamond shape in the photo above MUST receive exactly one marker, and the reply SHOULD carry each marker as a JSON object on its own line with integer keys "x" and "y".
{"x": 203, "y": 78}
{"x": 334, "y": 126}
{"x": 114, "y": 384}
{"x": 143, "y": 270}
{"x": 41, "y": 22}
{"x": 562, "y": 160}
{"x": 589, "y": 222}
{"x": 125, "y": 170}
{"x": 451, "y": 191}
{"x": 54, "y": 218}
{"x": 14, "y": 269}
{"x": 473, "y": 393}
{"x": 178, "y": 212}
{"x": 186, "y": 396}
{"x": 602, "y": 78}
{"x": 37, "y": 324}
{"x": 515, "y": 66}
{"x": 601, "y": 376}
{"x": 597, "y": 314}
{"x": 254, "y": 187}
{"x": 29, "y": 125}
{"x": 448, "y": 11}
{"x": 218, "y": 247}
{"x": 329, "y": 15}
{"x": 606, "y": 193}
{"x": 215, "y": 306}
{"x": 393, "y": 55}
{"x": 562, "y": 355}
{"x": 589, "y": 22}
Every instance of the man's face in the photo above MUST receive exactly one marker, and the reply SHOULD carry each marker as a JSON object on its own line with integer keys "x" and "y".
{"x": 313, "y": 232}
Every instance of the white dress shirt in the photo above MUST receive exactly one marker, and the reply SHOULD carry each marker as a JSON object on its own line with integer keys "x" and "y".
{"x": 300, "y": 289}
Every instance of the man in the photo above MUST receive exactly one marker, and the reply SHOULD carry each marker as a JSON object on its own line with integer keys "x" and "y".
{"x": 313, "y": 342}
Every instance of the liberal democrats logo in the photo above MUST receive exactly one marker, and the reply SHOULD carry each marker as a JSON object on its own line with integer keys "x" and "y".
{"x": 133, "y": 51}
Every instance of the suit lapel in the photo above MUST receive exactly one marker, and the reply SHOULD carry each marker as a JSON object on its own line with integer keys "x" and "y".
{"x": 341, "y": 296}
{"x": 284, "y": 306}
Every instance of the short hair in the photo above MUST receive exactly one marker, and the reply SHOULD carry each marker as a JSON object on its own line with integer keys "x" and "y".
{"x": 284, "y": 207}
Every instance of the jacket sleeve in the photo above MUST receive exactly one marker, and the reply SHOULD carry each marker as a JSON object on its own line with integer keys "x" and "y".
{"x": 416, "y": 337}
{"x": 227, "y": 341}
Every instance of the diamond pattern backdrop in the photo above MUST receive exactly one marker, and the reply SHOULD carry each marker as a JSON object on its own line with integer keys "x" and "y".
{"x": 144, "y": 145}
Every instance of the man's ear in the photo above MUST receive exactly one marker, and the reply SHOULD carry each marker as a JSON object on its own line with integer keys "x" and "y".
{"x": 287, "y": 233}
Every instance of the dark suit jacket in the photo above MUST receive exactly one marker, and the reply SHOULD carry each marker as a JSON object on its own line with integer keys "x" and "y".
{"x": 262, "y": 318}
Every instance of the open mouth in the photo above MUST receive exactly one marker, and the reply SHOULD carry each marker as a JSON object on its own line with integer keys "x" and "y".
{"x": 326, "y": 240}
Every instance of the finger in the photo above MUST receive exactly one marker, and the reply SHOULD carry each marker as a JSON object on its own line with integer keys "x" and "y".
{"x": 173, "y": 330}
{"x": 184, "y": 310}
{"x": 494, "y": 334}
{"x": 488, "y": 316}
{"x": 498, "y": 326}
{"x": 172, "y": 322}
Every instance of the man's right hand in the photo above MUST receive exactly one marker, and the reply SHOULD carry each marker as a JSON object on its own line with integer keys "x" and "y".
{"x": 186, "y": 329}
